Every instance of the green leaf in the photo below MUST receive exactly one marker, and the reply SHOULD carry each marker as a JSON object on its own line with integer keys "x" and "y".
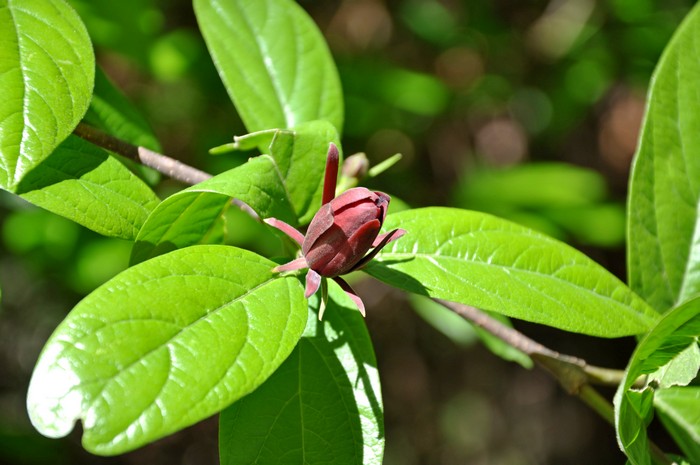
{"x": 112, "y": 112}
{"x": 674, "y": 333}
{"x": 83, "y": 183}
{"x": 484, "y": 261}
{"x": 165, "y": 344}
{"x": 323, "y": 405}
{"x": 300, "y": 154}
{"x": 679, "y": 411}
{"x": 680, "y": 371}
{"x": 186, "y": 218}
{"x": 47, "y": 69}
{"x": 301, "y": 157}
{"x": 663, "y": 238}
{"x": 273, "y": 61}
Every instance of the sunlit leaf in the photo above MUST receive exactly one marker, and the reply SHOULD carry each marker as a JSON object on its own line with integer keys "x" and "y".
{"x": 484, "y": 261}
{"x": 83, "y": 183}
{"x": 664, "y": 240}
{"x": 186, "y": 218}
{"x": 47, "y": 69}
{"x": 323, "y": 405}
{"x": 273, "y": 61}
{"x": 165, "y": 344}
{"x": 301, "y": 157}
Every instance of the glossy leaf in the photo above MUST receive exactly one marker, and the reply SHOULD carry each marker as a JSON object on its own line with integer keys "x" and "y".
{"x": 185, "y": 218}
{"x": 496, "y": 265}
{"x": 323, "y": 405}
{"x": 672, "y": 336}
{"x": 663, "y": 237}
{"x": 165, "y": 344}
{"x": 273, "y": 61}
{"x": 83, "y": 183}
{"x": 46, "y": 77}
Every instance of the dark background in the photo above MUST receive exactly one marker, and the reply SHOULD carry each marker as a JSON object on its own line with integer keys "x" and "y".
{"x": 526, "y": 109}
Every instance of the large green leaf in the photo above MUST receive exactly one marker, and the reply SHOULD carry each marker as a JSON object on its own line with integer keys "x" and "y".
{"x": 165, "y": 344}
{"x": 663, "y": 235}
{"x": 323, "y": 405}
{"x": 47, "y": 69}
{"x": 85, "y": 184}
{"x": 186, "y": 217}
{"x": 656, "y": 355}
{"x": 273, "y": 61}
{"x": 478, "y": 259}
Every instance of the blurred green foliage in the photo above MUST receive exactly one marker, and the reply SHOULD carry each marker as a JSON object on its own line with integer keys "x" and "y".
{"x": 528, "y": 110}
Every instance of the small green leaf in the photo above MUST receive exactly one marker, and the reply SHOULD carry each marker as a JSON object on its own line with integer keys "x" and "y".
{"x": 185, "y": 218}
{"x": 301, "y": 157}
{"x": 663, "y": 237}
{"x": 273, "y": 61}
{"x": 300, "y": 154}
{"x": 323, "y": 405}
{"x": 673, "y": 334}
{"x": 47, "y": 68}
{"x": 165, "y": 344}
{"x": 83, "y": 183}
{"x": 493, "y": 264}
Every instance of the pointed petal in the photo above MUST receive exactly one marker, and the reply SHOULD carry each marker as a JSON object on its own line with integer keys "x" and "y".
{"x": 331, "y": 177}
{"x": 352, "y": 196}
{"x": 388, "y": 237}
{"x": 296, "y": 264}
{"x": 313, "y": 281}
{"x": 395, "y": 234}
{"x": 323, "y": 219}
{"x": 290, "y": 231}
{"x": 351, "y": 293}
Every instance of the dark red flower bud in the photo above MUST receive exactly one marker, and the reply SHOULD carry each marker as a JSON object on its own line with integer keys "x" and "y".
{"x": 340, "y": 234}
{"x": 343, "y": 230}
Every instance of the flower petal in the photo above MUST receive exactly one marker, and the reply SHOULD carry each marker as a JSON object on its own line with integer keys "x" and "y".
{"x": 386, "y": 238}
{"x": 290, "y": 231}
{"x": 351, "y": 293}
{"x": 313, "y": 281}
{"x": 296, "y": 264}
{"x": 331, "y": 176}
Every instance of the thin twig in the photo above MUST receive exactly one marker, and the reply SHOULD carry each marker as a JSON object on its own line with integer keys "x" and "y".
{"x": 164, "y": 164}
{"x": 516, "y": 339}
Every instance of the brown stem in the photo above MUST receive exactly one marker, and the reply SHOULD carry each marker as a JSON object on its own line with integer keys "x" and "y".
{"x": 166, "y": 165}
{"x": 573, "y": 373}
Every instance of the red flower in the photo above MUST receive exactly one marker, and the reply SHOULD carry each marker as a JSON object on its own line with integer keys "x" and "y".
{"x": 340, "y": 234}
